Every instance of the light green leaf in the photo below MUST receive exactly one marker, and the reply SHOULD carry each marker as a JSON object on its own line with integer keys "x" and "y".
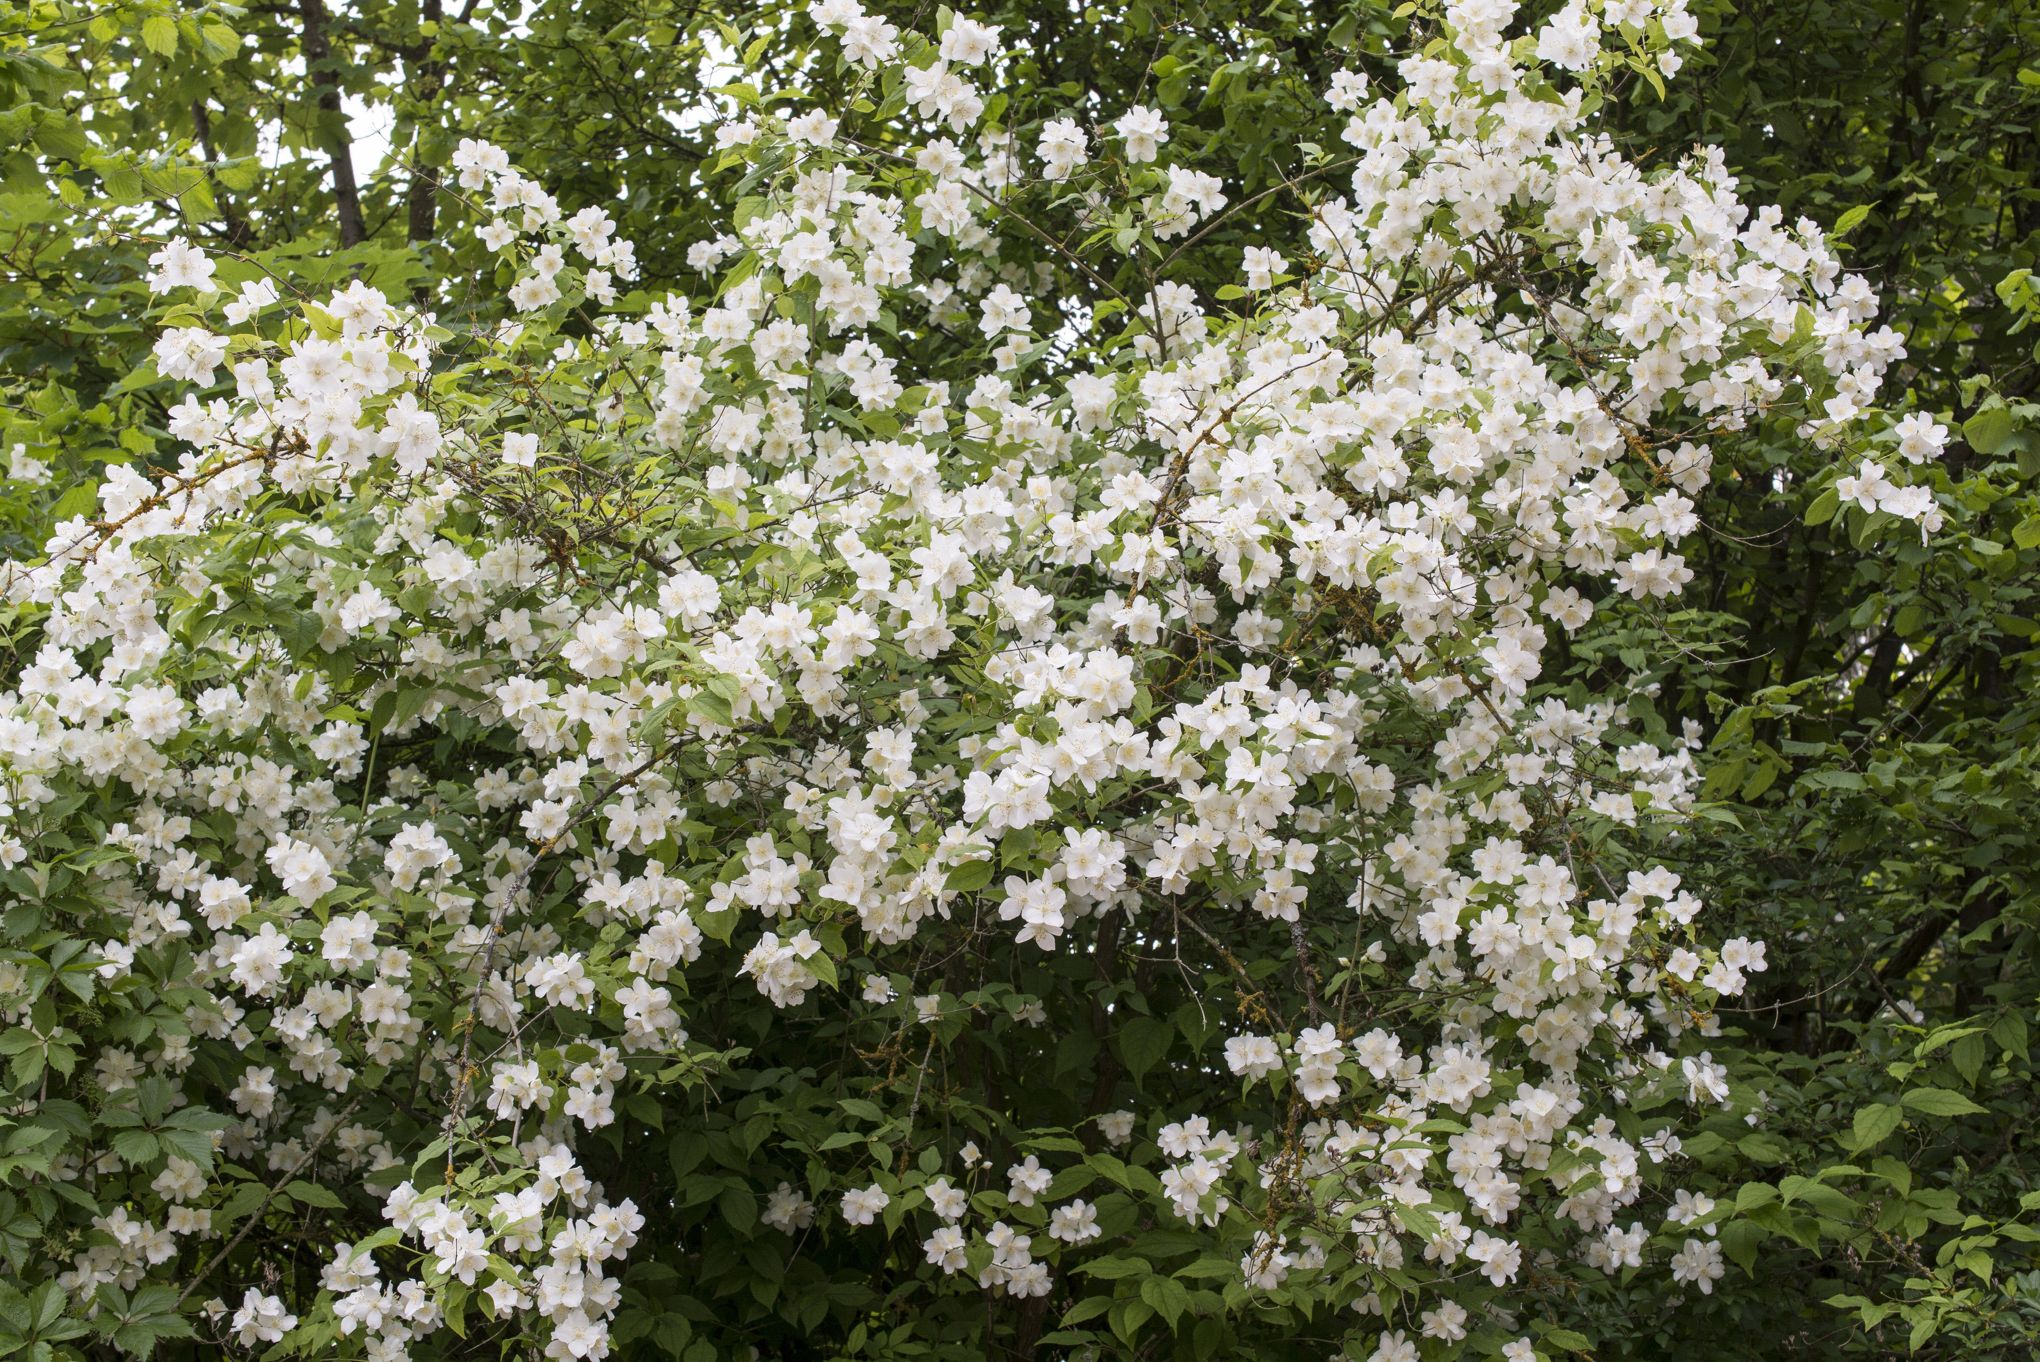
{"x": 159, "y": 35}
{"x": 1987, "y": 431}
{"x": 1874, "y": 1124}
{"x": 1940, "y": 1102}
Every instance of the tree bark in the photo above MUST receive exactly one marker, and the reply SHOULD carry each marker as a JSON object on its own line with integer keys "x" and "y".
{"x": 239, "y": 233}
{"x": 332, "y": 124}
{"x": 422, "y": 205}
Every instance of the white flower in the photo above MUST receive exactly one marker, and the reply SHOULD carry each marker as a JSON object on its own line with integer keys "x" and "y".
{"x": 1698, "y": 1263}
{"x": 1143, "y": 130}
{"x": 520, "y": 449}
{"x": 261, "y": 1319}
{"x": 1074, "y": 1223}
{"x": 1252, "y": 1057}
{"x": 862, "y": 1206}
{"x": 179, "y": 264}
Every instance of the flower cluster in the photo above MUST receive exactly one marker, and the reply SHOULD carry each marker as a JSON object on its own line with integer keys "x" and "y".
{"x": 452, "y": 717}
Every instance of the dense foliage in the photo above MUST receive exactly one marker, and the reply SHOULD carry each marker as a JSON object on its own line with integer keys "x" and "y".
{"x": 1341, "y": 681}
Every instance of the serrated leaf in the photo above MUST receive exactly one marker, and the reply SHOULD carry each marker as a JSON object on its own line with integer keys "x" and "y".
{"x": 312, "y": 1194}
{"x": 1940, "y": 1102}
{"x": 1112, "y": 1269}
{"x": 1142, "y": 1043}
{"x": 739, "y": 1207}
{"x": 1739, "y": 1240}
{"x": 159, "y": 35}
{"x": 1169, "y": 1297}
{"x": 968, "y": 877}
{"x": 1987, "y": 431}
{"x": 1874, "y": 1124}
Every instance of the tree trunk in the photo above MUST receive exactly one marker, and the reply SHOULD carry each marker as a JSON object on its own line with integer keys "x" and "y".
{"x": 332, "y": 124}
{"x": 422, "y": 206}
{"x": 239, "y": 233}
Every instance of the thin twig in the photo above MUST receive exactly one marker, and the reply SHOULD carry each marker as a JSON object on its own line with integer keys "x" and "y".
{"x": 255, "y": 1218}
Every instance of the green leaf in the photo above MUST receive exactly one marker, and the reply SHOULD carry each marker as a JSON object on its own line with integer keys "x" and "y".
{"x": 1127, "y": 1316}
{"x": 738, "y": 1206}
{"x": 14, "y": 1310}
{"x": 1754, "y": 1194}
{"x": 1739, "y": 1240}
{"x": 136, "y": 1147}
{"x": 969, "y": 876}
{"x": 312, "y": 1194}
{"x": 712, "y": 707}
{"x": 1112, "y": 1269}
{"x": 79, "y": 499}
{"x": 1940, "y": 1102}
{"x": 1169, "y": 1297}
{"x": 1987, "y": 431}
{"x": 159, "y": 35}
{"x": 1874, "y": 1124}
{"x": 1142, "y": 1043}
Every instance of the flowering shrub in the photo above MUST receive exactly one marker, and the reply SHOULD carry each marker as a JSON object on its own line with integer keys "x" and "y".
{"x": 988, "y": 824}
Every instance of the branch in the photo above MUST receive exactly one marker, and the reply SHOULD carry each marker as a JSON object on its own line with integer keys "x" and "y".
{"x": 1904, "y": 960}
{"x": 1309, "y": 971}
{"x": 255, "y": 1218}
